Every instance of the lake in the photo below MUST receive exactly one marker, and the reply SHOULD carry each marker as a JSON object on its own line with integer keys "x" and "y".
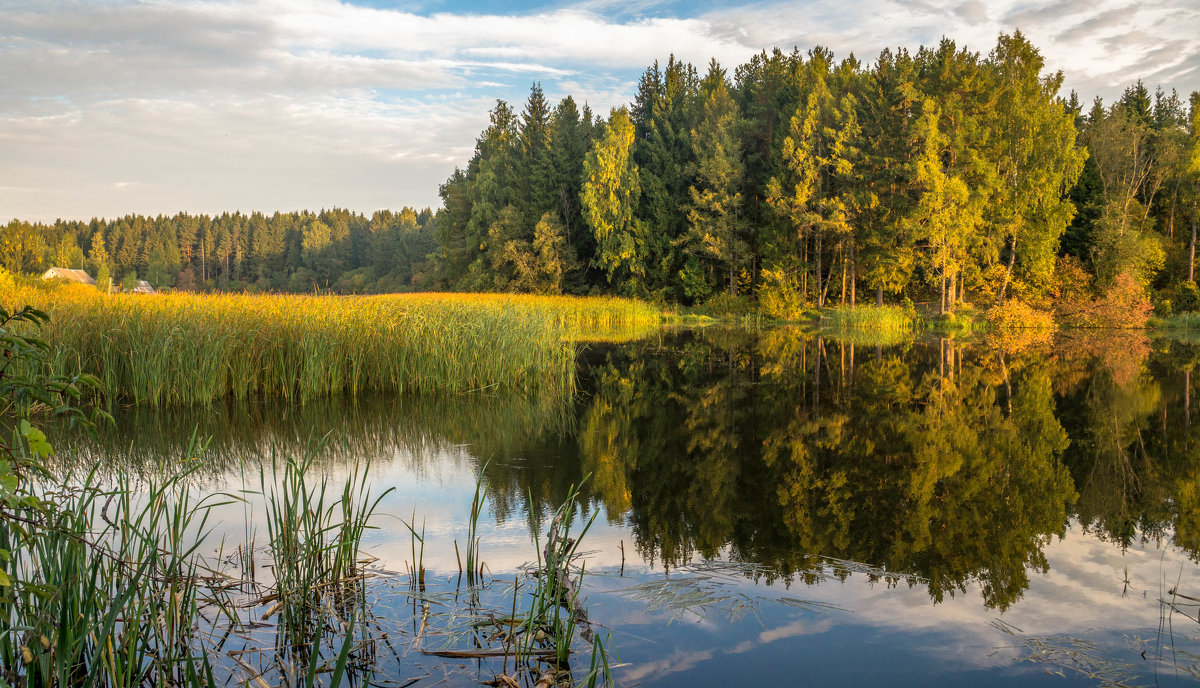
{"x": 770, "y": 506}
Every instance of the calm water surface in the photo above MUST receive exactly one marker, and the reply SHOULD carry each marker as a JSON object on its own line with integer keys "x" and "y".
{"x": 782, "y": 507}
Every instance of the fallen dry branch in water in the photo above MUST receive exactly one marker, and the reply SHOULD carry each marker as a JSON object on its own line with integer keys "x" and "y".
{"x": 477, "y": 654}
{"x": 547, "y": 679}
{"x": 254, "y": 675}
{"x": 1175, "y": 593}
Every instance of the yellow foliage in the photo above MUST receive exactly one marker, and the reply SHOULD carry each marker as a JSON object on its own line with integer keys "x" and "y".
{"x": 1015, "y": 314}
{"x": 780, "y": 295}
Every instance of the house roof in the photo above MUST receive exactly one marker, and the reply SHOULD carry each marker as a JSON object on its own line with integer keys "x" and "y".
{"x": 70, "y": 275}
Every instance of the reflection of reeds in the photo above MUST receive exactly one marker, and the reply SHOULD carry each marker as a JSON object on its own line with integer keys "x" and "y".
{"x": 866, "y": 338}
{"x": 240, "y": 434}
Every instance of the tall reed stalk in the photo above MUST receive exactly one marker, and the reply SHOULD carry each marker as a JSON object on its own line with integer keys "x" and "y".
{"x": 555, "y": 611}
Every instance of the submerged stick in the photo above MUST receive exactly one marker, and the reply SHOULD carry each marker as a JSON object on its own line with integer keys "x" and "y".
{"x": 474, "y": 654}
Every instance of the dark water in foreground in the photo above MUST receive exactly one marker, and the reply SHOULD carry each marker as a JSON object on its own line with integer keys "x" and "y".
{"x": 782, "y": 508}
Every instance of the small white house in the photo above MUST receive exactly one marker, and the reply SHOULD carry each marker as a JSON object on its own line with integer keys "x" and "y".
{"x": 143, "y": 287}
{"x": 69, "y": 275}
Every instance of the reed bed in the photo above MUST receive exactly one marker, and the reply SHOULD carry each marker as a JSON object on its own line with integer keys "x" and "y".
{"x": 1180, "y": 321}
{"x": 181, "y": 349}
{"x": 881, "y": 318}
{"x": 576, "y": 316}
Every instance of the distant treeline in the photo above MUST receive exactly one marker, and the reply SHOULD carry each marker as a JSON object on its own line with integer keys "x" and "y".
{"x": 799, "y": 180}
{"x": 334, "y": 250}
{"x": 941, "y": 174}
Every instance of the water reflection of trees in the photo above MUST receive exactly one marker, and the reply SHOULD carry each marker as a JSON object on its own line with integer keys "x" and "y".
{"x": 418, "y": 430}
{"x": 1135, "y": 456}
{"x": 952, "y": 461}
{"x": 784, "y": 448}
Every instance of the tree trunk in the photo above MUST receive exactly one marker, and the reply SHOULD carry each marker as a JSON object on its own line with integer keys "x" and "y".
{"x": 879, "y": 295}
{"x": 1008, "y": 270}
{"x": 853, "y": 272}
{"x": 943, "y": 288}
{"x": 1192, "y": 253}
{"x": 820, "y": 291}
{"x": 804, "y": 277}
{"x": 843, "y": 296}
{"x": 953, "y": 289}
{"x": 825, "y": 289}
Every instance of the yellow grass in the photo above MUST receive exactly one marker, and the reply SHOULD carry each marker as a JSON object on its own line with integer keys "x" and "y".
{"x": 188, "y": 348}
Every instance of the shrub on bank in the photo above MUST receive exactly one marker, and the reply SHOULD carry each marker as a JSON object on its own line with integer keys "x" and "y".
{"x": 1015, "y": 314}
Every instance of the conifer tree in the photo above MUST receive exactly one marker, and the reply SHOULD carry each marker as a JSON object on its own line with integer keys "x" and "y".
{"x": 816, "y": 157}
{"x": 714, "y": 214}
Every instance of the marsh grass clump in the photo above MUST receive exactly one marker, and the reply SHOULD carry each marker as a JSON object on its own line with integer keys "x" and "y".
{"x": 317, "y": 598}
{"x": 178, "y": 349}
{"x": 313, "y": 542}
{"x": 107, "y": 588}
{"x": 531, "y": 636}
{"x": 99, "y": 582}
{"x": 885, "y": 318}
{"x": 1184, "y": 322}
{"x": 556, "y": 609}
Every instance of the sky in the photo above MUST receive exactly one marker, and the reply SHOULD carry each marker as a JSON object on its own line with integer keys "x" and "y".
{"x": 114, "y": 107}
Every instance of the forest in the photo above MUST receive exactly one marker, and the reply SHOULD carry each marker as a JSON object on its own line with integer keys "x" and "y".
{"x": 332, "y": 250}
{"x": 797, "y": 180}
{"x": 940, "y": 175}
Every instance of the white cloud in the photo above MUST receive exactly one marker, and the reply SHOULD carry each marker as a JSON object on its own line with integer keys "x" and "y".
{"x": 273, "y": 104}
